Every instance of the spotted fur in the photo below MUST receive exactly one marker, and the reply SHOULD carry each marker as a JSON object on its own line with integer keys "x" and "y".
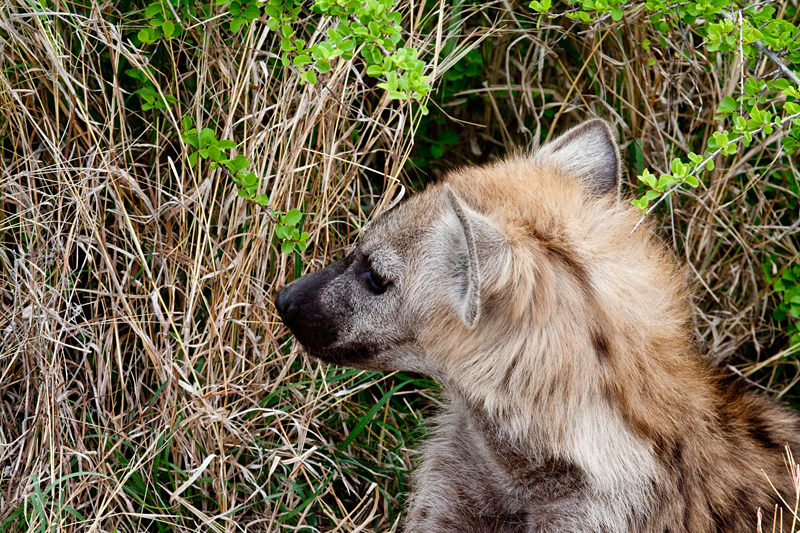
{"x": 576, "y": 399}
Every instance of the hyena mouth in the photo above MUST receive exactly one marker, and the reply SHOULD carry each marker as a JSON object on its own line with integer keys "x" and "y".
{"x": 356, "y": 355}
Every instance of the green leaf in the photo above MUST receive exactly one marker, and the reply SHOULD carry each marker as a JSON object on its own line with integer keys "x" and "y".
{"x": 136, "y": 74}
{"x": 448, "y": 137}
{"x": 648, "y": 179}
{"x": 616, "y": 13}
{"x": 374, "y": 29}
{"x": 311, "y": 77}
{"x": 391, "y": 80}
{"x": 727, "y": 106}
{"x": 153, "y": 9}
{"x": 251, "y": 13}
{"x": 301, "y": 60}
{"x": 374, "y": 71}
{"x": 665, "y": 181}
{"x": 214, "y": 153}
{"x": 652, "y": 195}
{"x": 168, "y": 28}
{"x": 280, "y": 231}
{"x": 292, "y": 217}
{"x": 193, "y": 159}
{"x": 766, "y": 268}
{"x": 192, "y": 140}
{"x": 226, "y": 144}
{"x": 262, "y": 199}
{"x": 145, "y": 36}
{"x": 207, "y": 137}
{"x": 287, "y": 247}
{"x": 249, "y": 180}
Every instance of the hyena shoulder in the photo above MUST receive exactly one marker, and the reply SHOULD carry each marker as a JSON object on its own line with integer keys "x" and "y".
{"x": 577, "y": 400}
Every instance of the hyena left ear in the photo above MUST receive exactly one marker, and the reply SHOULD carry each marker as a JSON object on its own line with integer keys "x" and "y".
{"x": 478, "y": 242}
{"x": 590, "y": 152}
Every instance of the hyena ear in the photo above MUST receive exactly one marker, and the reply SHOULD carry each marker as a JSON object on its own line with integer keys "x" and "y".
{"x": 475, "y": 243}
{"x": 590, "y": 152}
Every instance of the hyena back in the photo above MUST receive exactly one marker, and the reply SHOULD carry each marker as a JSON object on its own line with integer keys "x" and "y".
{"x": 576, "y": 398}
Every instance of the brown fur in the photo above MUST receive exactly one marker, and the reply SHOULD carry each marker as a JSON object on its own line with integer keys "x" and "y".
{"x": 577, "y": 400}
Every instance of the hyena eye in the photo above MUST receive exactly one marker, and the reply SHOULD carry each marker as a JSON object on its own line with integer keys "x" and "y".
{"x": 375, "y": 282}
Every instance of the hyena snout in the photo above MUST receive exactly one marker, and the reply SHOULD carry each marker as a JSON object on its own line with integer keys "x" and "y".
{"x": 348, "y": 313}
{"x": 302, "y": 308}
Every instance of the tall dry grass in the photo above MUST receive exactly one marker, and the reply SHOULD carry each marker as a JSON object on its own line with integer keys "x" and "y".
{"x": 146, "y": 382}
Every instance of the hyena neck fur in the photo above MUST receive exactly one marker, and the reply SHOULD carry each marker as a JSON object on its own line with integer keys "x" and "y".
{"x": 565, "y": 427}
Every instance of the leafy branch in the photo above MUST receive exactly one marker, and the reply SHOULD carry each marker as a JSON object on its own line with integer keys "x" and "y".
{"x": 669, "y": 183}
{"x": 237, "y": 167}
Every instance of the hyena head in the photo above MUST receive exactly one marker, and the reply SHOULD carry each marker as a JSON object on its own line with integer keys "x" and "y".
{"x": 494, "y": 268}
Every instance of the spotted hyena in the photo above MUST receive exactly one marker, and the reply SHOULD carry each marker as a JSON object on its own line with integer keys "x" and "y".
{"x": 576, "y": 399}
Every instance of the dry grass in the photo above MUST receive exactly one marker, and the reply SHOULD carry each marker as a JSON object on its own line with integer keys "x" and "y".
{"x": 146, "y": 382}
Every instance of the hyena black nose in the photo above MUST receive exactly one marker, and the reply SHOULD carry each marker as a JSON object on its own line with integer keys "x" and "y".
{"x": 284, "y": 301}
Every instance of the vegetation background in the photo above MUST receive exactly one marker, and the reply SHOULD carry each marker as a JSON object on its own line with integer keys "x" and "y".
{"x": 146, "y": 382}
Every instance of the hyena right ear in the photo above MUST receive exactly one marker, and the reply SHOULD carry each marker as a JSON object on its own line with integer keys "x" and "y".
{"x": 476, "y": 242}
{"x": 588, "y": 151}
